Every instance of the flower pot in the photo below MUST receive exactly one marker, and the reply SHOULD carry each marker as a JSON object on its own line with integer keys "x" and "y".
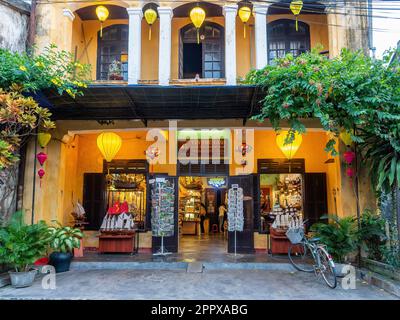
{"x": 22, "y": 279}
{"x": 61, "y": 261}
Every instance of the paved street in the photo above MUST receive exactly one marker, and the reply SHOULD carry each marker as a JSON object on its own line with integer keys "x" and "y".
{"x": 177, "y": 284}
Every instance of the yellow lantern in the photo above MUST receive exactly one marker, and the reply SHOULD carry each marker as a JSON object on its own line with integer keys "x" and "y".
{"x": 244, "y": 15}
{"x": 102, "y": 14}
{"x": 197, "y": 15}
{"x": 295, "y": 7}
{"x": 43, "y": 139}
{"x": 109, "y": 144}
{"x": 289, "y": 150}
{"x": 345, "y": 136}
{"x": 151, "y": 16}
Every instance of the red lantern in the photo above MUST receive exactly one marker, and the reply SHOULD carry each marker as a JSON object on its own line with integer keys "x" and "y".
{"x": 350, "y": 172}
{"x": 42, "y": 157}
{"x": 349, "y": 156}
{"x": 41, "y": 174}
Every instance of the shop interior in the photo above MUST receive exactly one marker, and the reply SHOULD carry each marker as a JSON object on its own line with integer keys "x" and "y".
{"x": 281, "y": 202}
{"x": 200, "y": 199}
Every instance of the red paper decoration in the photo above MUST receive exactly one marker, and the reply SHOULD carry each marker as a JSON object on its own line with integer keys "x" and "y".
{"x": 42, "y": 157}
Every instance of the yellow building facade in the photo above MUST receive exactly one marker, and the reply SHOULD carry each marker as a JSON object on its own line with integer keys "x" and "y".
{"x": 171, "y": 58}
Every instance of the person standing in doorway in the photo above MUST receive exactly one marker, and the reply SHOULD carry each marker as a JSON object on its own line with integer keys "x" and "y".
{"x": 221, "y": 216}
{"x": 203, "y": 213}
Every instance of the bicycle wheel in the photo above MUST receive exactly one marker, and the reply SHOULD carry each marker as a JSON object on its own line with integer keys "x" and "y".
{"x": 301, "y": 258}
{"x": 326, "y": 268}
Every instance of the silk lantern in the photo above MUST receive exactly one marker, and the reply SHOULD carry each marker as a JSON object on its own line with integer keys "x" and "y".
{"x": 244, "y": 15}
{"x": 295, "y": 7}
{"x": 290, "y": 149}
{"x": 345, "y": 136}
{"x": 102, "y": 14}
{"x": 150, "y": 16}
{"x": 44, "y": 139}
{"x": 197, "y": 15}
{"x": 42, "y": 157}
{"x": 41, "y": 173}
{"x": 109, "y": 144}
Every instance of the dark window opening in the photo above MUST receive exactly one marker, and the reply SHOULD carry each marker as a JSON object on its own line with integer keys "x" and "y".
{"x": 283, "y": 38}
{"x": 112, "y": 54}
{"x": 192, "y": 57}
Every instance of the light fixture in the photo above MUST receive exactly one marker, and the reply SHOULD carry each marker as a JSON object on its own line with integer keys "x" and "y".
{"x": 244, "y": 15}
{"x": 290, "y": 149}
{"x": 102, "y": 14}
{"x": 295, "y": 7}
{"x": 150, "y": 16}
{"x": 109, "y": 144}
{"x": 345, "y": 136}
{"x": 197, "y": 15}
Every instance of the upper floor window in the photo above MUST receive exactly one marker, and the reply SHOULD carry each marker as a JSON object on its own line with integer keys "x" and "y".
{"x": 112, "y": 56}
{"x": 283, "y": 38}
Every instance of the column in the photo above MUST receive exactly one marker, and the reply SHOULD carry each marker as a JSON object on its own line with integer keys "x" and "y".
{"x": 260, "y": 35}
{"x": 230, "y": 12}
{"x": 134, "y": 44}
{"x": 68, "y": 21}
{"x": 164, "y": 56}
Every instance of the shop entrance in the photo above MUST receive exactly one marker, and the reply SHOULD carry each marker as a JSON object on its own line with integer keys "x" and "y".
{"x": 203, "y": 214}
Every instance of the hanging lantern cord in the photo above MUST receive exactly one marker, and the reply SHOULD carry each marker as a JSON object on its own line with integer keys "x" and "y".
{"x": 244, "y": 30}
{"x": 297, "y": 24}
{"x": 101, "y": 29}
{"x": 198, "y": 36}
{"x": 150, "y": 33}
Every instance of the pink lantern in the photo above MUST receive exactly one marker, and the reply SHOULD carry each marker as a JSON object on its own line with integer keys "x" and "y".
{"x": 350, "y": 172}
{"x": 41, "y": 173}
{"x": 42, "y": 157}
{"x": 349, "y": 156}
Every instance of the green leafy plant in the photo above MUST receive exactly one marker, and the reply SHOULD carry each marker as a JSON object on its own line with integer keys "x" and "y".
{"x": 52, "y": 68}
{"x": 339, "y": 235}
{"x": 21, "y": 244}
{"x": 372, "y": 234}
{"x": 65, "y": 239}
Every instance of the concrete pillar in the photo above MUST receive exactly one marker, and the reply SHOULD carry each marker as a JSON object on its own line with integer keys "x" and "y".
{"x": 230, "y": 12}
{"x": 260, "y": 34}
{"x": 164, "y": 57}
{"x": 134, "y": 44}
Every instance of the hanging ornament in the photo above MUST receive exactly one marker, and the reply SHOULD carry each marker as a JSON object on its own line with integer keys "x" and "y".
{"x": 289, "y": 150}
{"x": 295, "y": 7}
{"x": 42, "y": 157}
{"x": 102, "y": 14}
{"x": 41, "y": 173}
{"x": 244, "y": 15}
{"x": 150, "y": 16}
{"x": 44, "y": 139}
{"x": 345, "y": 136}
{"x": 109, "y": 144}
{"x": 151, "y": 154}
{"x": 197, "y": 15}
{"x": 349, "y": 156}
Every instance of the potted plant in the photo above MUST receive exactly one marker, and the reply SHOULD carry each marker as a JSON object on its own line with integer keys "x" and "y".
{"x": 114, "y": 71}
{"x": 63, "y": 241}
{"x": 20, "y": 246}
{"x": 340, "y": 236}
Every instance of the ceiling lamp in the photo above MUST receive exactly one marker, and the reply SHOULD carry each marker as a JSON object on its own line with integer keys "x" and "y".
{"x": 295, "y": 7}
{"x": 244, "y": 15}
{"x": 290, "y": 149}
{"x": 109, "y": 144}
{"x": 197, "y": 15}
{"x": 151, "y": 16}
{"x": 102, "y": 14}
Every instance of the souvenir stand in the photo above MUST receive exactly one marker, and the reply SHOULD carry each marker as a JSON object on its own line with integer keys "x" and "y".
{"x": 235, "y": 211}
{"x": 162, "y": 210}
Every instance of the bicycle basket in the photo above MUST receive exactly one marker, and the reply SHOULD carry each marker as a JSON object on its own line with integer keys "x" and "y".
{"x": 295, "y": 236}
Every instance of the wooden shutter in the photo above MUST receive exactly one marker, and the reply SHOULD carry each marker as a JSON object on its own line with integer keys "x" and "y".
{"x": 94, "y": 199}
{"x": 316, "y": 202}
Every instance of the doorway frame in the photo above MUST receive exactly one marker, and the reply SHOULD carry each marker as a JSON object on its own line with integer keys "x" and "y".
{"x": 194, "y": 40}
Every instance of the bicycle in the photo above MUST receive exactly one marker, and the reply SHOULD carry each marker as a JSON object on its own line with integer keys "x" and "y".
{"x": 308, "y": 255}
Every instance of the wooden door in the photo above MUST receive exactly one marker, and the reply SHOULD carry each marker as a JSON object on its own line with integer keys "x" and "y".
{"x": 94, "y": 187}
{"x": 315, "y": 193}
{"x": 244, "y": 239}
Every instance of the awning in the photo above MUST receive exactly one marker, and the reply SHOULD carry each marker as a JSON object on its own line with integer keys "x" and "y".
{"x": 150, "y": 102}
